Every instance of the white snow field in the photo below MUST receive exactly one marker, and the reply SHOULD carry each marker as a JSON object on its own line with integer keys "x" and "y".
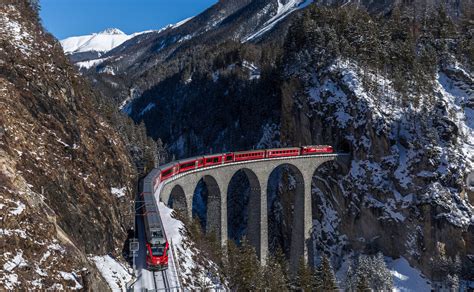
{"x": 406, "y": 278}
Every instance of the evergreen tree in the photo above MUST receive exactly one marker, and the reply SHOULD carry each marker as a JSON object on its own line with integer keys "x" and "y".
{"x": 383, "y": 279}
{"x": 274, "y": 276}
{"x": 351, "y": 278}
{"x": 328, "y": 279}
{"x": 362, "y": 284}
{"x": 304, "y": 279}
{"x": 317, "y": 279}
{"x": 373, "y": 270}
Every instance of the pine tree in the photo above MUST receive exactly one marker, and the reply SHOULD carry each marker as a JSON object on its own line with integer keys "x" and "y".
{"x": 351, "y": 278}
{"x": 317, "y": 279}
{"x": 328, "y": 279}
{"x": 362, "y": 284}
{"x": 304, "y": 281}
{"x": 274, "y": 276}
{"x": 383, "y": 279}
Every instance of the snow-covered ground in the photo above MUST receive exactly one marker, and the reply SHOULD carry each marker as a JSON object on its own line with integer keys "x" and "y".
{"x": 406, "y": 278}
{"x": 113, "y": 272}
{"x": 184, "y": 254}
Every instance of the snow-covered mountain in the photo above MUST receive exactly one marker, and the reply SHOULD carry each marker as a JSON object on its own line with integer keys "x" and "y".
{"x": 87, "y": 47}
{"x": 85, "y": 51}
{"x": 100, "y": 42}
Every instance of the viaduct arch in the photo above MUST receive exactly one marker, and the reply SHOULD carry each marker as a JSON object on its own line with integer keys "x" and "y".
{"x": 178, "y": 191}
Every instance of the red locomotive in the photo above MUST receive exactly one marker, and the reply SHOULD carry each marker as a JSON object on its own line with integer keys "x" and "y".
{"x": 189, "y": 164}
{"x": 157, "y": 246}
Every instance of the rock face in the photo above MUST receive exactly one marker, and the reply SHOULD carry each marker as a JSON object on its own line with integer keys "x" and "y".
{"x": 405, "y": 193}
{"x": 59, "y": 161}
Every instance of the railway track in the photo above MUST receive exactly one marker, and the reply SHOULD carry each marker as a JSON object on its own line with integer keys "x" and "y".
{"x": 160, "y": 281}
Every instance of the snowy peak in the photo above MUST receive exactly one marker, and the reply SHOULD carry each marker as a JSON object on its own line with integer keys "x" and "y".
{"x": 103, "y": 41}
{"x": 112, "y": 31}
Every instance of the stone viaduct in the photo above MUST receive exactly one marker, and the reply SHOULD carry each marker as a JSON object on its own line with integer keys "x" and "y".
{"x": 179, "y": 191}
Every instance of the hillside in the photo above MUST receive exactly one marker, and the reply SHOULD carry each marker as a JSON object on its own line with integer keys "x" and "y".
{"x": 61, "y": 165}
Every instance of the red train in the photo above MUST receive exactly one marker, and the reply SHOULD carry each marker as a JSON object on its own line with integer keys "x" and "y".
{"x": 157, "y": 246}
{"x": 174, "y": 168}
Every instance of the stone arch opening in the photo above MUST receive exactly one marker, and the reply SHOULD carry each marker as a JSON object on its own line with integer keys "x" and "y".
{"x": 327, "y": 199}
{"x": 206, "y": 205}
{"x": 177, "y": 200}
{"x": 243, "y": 207}
{"x": 285, "y": 205}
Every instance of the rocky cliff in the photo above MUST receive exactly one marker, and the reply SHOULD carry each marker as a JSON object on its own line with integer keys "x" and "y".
{"x": 410, "y": 133}
{"x": 66, "y": 176}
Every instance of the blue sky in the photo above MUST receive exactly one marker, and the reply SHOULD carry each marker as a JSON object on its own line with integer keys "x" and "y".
{"x": 64, "y": 18}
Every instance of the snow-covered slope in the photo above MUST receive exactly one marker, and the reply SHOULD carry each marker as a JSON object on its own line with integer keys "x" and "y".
{"x": 191, "y": 271}
{"x": 284, "y": 9}
{"x": 103, "y": 41}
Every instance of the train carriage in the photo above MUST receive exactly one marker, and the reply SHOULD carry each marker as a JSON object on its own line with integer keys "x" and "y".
{"x": 216, "y": 159}
{"x": 283, "y": 152}
{"x": 249, "y": 155}
{"x": 228, "y": 157}
{"x": 190, "y": 164}
{"x": 157, "y": 246}
{"x": 168, "y": 170}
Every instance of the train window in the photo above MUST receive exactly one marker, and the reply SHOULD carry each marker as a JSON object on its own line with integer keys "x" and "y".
{"x": 228, "y": 158}
{"x": 189, "y": 164}
{"x": 167, "y": 172}
{"x": 157, "y": 250}
{"x": 216, "y": 159}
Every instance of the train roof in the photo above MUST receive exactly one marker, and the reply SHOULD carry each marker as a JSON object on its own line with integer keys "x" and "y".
{"x": 214, "y": 155}
{"x": 153, "y": 220}
{"x": 249, "y": 151}
{"x": 189, "y": 159}
{"x": 316, "y": 146}
{"x": 167, "y": 165}
{"x": 286, "y": 148}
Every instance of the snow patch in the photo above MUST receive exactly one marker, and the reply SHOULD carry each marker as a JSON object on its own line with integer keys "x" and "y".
{"x": 71, "y": 277}
{"x": 283, "y": 11}
{"x": 254, "y": 71}
{"x": 91, "y": 63}
{"x": 18, "y": 36}
{"x": 406, "y": 278}
{"x": 113, "y": 272}
{"x": 118, "y": 192}
{"x": 17, "y": 262}
{"x": 19, "y": 209}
